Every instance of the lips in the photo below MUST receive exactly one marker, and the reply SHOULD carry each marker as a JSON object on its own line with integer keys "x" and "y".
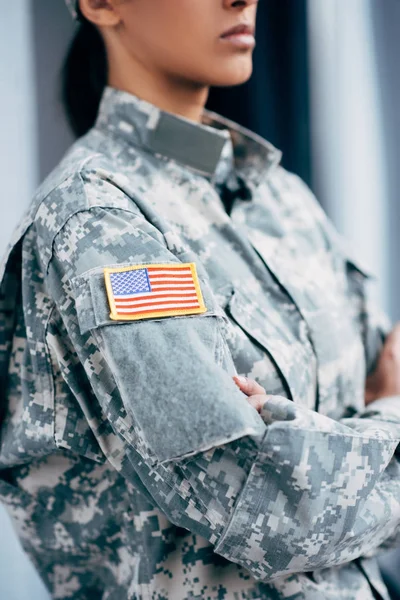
{"x": 243, "y": 28}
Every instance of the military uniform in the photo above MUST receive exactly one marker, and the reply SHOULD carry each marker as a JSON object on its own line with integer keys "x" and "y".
{"x": 132, "y": 465}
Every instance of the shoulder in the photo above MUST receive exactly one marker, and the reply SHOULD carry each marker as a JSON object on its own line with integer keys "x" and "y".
{"x": 83, "y": 179}
{"x": 84, "y": 182}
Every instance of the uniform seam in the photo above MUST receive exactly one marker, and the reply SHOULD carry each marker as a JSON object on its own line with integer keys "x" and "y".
{"x": 78, "y": 172}
{"x": 231, "y": 526}
{"x": 49, "y": 368}
{"x": 77, "y": 211}
{"x": 340, "y": 434}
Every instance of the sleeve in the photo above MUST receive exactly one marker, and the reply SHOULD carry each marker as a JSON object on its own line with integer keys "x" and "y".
{"x": 283, "y": 492}
{"x": 375, "y": 326}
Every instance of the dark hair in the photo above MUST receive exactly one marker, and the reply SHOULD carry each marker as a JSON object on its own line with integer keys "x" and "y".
{"x": 84, "y": 77}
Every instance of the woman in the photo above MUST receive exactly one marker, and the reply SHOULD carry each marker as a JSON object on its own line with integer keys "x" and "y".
{"x": 168, "y": 253}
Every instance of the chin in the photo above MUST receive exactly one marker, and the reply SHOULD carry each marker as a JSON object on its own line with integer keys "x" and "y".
{"x": 234, "y": 74}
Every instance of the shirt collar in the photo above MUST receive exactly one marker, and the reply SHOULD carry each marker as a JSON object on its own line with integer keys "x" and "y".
{"x": 198, "y": 146}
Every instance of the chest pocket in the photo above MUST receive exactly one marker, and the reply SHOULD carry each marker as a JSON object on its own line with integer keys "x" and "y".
{"x": 267, "y": 347}
{"x": 315, "y": 336}
{"x": 331, "y": 296}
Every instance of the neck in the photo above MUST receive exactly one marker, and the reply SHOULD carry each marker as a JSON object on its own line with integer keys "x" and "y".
{"x": 173, "y": 94}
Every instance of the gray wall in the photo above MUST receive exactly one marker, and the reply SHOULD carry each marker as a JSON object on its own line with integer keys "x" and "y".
{"x": 386, "y": 22}
{"x": 33, "y": 38}
{"x": 348, "y": 132}
{"x": 18, "y": 136}
{"x": 52, "y": 30}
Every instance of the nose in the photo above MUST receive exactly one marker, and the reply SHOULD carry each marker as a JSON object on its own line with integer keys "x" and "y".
{"x": 238, "y": 3}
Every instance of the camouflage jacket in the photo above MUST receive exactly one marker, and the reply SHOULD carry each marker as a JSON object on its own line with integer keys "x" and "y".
{"x": 132, "y": 465}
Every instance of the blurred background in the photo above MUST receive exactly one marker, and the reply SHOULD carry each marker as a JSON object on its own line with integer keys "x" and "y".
{"x": 325, "y": 90}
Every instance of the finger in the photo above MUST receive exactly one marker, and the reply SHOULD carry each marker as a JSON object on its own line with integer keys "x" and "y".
{"x": 392, "y": 344}
{"x": 257, "y": 401}
{"x": 394, "y": 335}
{"x": 248, "y": 386}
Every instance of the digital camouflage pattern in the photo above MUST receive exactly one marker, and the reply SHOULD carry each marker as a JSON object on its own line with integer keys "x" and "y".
{"x": 132, "y": 465}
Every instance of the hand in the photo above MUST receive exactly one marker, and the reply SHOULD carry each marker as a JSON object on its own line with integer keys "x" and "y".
{"x": 385, "y": 380}
{"x": 255, "y": 392}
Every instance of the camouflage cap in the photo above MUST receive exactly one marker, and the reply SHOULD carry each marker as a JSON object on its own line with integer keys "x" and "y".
{"x": 73, "y": 7}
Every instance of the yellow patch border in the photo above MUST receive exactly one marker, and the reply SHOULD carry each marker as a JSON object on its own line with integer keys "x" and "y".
{"x": 183, "y": 311}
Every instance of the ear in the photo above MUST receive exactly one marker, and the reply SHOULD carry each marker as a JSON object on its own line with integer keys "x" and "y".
{"x": 102, "y": 13}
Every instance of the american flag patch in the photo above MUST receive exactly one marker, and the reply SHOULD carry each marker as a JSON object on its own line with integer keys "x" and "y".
{"x": 153, "y": 290}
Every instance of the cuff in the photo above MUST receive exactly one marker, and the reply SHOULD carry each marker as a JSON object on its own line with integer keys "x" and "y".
{"x": 386, "y": 409}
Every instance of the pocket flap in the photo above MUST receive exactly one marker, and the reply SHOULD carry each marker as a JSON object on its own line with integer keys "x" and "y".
{"x": 354, "y": 261}
{"x": 265, "y": 330}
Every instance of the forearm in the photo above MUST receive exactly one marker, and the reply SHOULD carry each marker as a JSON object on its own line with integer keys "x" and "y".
{"x": 320, "y": 494}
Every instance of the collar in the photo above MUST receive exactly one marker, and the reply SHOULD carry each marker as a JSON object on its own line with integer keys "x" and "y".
{"x": 198, "y": 146}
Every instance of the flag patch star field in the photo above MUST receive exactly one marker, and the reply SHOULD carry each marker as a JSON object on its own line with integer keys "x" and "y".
{"x": 153, "y": 290}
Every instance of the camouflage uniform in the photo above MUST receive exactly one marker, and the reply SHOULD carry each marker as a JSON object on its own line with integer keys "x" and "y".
{"x": 132, "y": 465}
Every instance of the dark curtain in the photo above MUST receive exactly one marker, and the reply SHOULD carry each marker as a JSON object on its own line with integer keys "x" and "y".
{"x": 275, "y": 101}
